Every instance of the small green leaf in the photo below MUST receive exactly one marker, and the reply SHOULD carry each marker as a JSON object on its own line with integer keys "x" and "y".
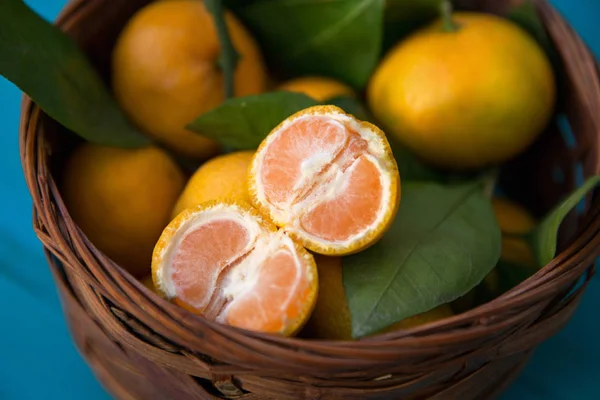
{"x": 241, "y": 123}
{"x": 545, "y": 236}
{"x": 443, "y": 242}
{"x": 351, "y": 105}
{"x": 48, "y": 66}
{"x": 229, "y": 57}
{"x": 340, "y": 38}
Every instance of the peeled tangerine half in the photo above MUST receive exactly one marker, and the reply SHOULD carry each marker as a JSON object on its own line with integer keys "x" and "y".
{"x": 327, "y": 179}
{"x": 223, "y": 260}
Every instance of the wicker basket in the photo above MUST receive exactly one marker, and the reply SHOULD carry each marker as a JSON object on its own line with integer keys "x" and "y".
{"x": 141, "y": 347}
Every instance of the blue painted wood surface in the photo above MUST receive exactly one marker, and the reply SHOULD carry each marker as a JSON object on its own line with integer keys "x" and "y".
{"x": 39, "y": 361}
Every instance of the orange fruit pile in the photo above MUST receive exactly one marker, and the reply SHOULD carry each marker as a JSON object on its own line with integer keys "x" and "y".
{"x": 248, "y": 265}
{"x": 255, "y": 238}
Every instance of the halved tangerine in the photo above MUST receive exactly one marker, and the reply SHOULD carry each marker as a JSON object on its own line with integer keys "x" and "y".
{"x": 329, "y": 180}
{"x": 221, "y": 259}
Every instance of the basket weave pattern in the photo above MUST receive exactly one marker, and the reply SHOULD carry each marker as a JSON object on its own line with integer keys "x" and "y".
{"x": 141, "y": 347}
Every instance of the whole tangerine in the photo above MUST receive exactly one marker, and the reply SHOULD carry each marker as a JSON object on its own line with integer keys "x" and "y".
{"x": 166, "y": 73}
{"x": 122, "y": 199}
{"x": 468, "y": 97}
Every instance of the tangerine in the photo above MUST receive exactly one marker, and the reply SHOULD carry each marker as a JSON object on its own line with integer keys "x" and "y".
{"x": 318, "y": 87}
{"x": 122, "y": 199}
{"x": 329, "y": 180}
{"x": 468, "y": 98}
{"x": 165, "y": 71}
{"x": 224, "y": 176}
{"x": 223, "y": 260}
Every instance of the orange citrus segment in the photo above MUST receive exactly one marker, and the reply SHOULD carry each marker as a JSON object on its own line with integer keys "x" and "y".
{"x": 327, "y": 179}
{"x": 280, "y": 294}
{"x": 362, "y": 192}
{"x": 216, "y": 244}
{"x": 222, "y": 260}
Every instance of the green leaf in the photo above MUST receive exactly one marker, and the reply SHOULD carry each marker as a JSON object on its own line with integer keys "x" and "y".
{"x": 402, "y": 17}
{"x": 241, "y": 123}
{"x": 443, "y": 242}
{"x": 49, "y": 67}
{"x": 351, "y": 105}
{"x": 237, "y": 4}
{"x": 525, "y": 15}
{"x": 544, "y": 237}
{"x": 229, "y": 57}
{"x": 510, "y": 275}
{"x": 339, "y": 38}
{"x": 411, "y": 167}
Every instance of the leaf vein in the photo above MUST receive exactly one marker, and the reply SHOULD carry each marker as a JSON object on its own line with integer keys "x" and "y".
{"x": 451, "y": 209}
{"x": 331, "y": 30}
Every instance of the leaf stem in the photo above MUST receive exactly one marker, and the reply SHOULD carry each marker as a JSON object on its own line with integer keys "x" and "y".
{"x": 449, "y": 25}
{"x": 489, "y": 183}
{"x": 228, "y": 57}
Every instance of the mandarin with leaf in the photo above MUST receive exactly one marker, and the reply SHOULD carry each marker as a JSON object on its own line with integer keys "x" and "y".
{"x": 166, "y": 71}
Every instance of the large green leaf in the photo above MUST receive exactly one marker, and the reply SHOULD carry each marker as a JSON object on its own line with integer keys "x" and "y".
{"x": 241, "y": 123}
{"x": 49, "y": 67}
{"x": 337, "y": 38}
{"x": 544, "y": 237}
{"x": 443, "y": 242}
{"x": 402, "y": 17}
